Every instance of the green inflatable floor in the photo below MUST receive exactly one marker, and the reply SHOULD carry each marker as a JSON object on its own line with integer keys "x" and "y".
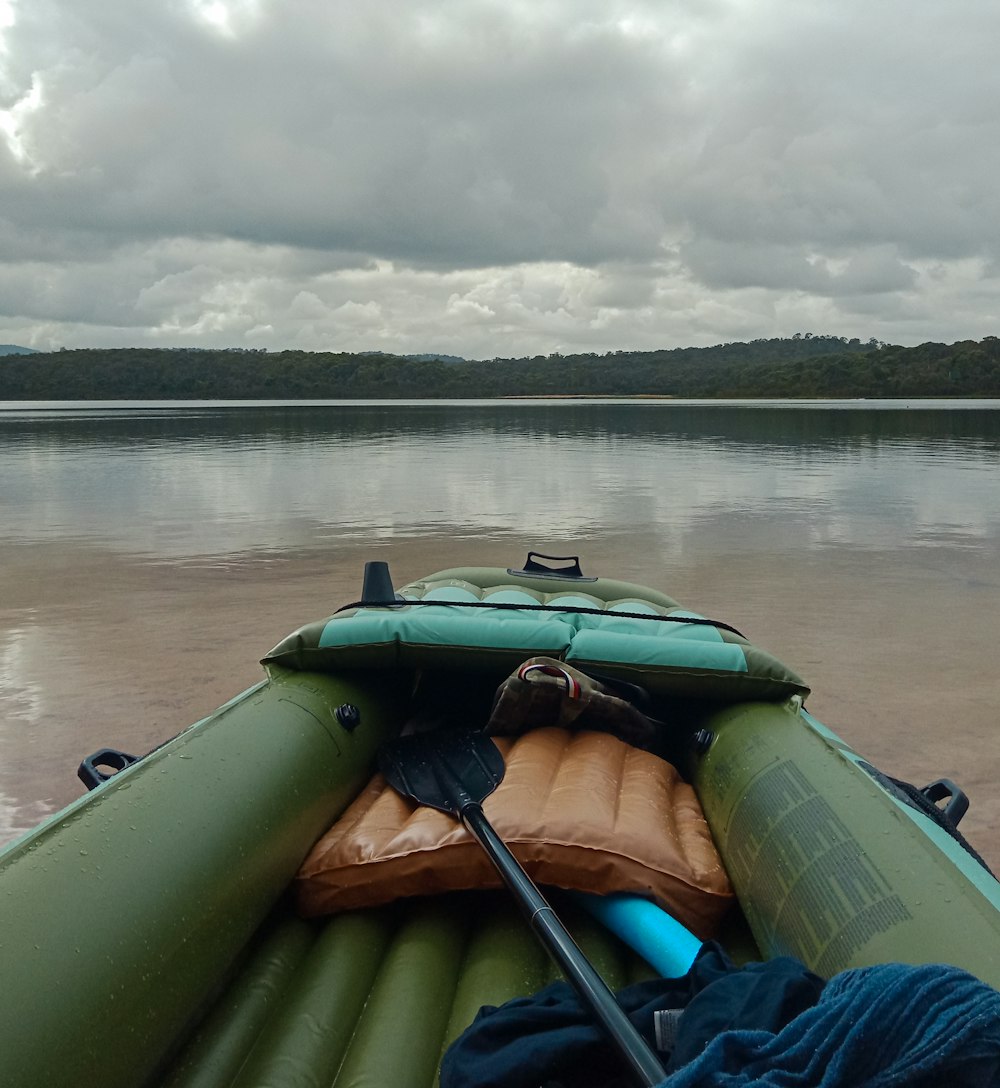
{"x": 374, "y": 997}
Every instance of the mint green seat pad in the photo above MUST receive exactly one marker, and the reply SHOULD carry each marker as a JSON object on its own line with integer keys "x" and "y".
{"x": 611, "y": 636}
{"x": 444, "y": 628}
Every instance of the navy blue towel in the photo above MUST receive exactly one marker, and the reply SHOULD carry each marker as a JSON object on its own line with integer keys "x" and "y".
{"x": 873, "y": 1027}
{"x": 550, "y": 1038}
{"x": 769, "y": 1025}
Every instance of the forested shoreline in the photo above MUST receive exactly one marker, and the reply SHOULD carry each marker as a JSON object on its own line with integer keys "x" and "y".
{"x": 799, "y": 366}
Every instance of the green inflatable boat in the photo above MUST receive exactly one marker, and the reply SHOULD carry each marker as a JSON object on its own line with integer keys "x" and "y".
{"x": 150, "y": 934}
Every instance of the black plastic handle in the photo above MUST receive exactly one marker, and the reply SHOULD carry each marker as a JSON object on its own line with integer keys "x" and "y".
{"x": 533, "y": 567}
{"x": 958, "y": 804}
{"x": 89, "y": 771}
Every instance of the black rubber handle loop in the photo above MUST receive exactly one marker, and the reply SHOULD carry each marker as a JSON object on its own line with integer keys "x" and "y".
{"x": 533, "y": 567}
{"x": 957, "y": 806}
{"x": 89, "y": 771}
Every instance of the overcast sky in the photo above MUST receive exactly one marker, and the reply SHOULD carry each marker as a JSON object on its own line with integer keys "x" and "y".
{"x": 497, "y": 178}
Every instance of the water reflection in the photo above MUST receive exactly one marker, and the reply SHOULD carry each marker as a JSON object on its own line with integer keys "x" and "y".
{"x": 777, "y": 423}
{"x": 211, "y": 481}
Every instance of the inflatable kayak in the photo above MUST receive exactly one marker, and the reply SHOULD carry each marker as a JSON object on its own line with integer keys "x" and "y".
{"x": 171, "y": 926}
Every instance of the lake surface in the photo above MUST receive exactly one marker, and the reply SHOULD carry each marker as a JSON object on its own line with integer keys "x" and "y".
{"x": 150, "y": 554}
{"x": 209, "y": 483}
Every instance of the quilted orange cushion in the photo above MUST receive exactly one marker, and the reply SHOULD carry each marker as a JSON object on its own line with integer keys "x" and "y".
{"x": 582, "y": 811}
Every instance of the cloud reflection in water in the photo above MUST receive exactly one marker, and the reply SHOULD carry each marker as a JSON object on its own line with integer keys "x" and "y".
{"x": 214, "y": 482}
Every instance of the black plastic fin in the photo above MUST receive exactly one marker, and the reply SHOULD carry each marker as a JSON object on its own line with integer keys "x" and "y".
{"x": 377, "y": 585}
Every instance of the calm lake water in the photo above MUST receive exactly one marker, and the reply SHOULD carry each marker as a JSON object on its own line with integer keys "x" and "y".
{"x": 212, "y": 482}
{"x": 149, "y": 554}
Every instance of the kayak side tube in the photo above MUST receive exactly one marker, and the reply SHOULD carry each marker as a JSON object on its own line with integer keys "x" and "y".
{"x": 121, "y": 915}
{"x": 828, "y": 865}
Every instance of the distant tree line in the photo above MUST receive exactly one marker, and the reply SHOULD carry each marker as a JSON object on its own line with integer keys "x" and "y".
{"x": 799, "y": 366}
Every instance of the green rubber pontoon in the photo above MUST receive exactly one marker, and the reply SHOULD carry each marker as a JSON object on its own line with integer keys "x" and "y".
{"x": 151, "y": 934}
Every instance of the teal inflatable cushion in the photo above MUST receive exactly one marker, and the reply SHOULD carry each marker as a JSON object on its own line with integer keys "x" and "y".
{"x": 626, "y": 637}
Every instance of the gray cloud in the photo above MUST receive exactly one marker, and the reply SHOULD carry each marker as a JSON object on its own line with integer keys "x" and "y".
{"x": 492, "y": 178}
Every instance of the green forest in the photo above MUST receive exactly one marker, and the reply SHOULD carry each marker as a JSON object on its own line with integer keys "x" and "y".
{"x": 799, "y": 366}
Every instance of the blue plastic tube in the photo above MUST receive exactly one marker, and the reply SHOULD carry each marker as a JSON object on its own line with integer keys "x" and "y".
{"x": 666, "y": 945}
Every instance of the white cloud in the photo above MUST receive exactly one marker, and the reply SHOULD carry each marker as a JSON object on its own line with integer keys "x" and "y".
{"x": 492, "y": 178}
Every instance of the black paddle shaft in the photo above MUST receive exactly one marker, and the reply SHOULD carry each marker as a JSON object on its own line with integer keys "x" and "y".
{"x": 454, "y": 775}
{"x": 593, "y": 990}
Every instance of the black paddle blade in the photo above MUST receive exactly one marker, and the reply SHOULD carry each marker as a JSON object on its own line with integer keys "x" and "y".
{"x": 444, "y": 770}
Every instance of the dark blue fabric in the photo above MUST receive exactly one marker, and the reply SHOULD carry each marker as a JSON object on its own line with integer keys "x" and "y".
{"x": 874, "y": 1027}
{"x": 769, "y": 1025}
{"x": 550, "y": 1036}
